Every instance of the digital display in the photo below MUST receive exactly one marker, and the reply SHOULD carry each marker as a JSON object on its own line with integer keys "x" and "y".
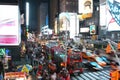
{"x": 69, "y": 22}
{"x": 84, "y": 30}
{"x": 102, "y": 15}
{"x": 85, "y": 6}
{"x": 2, "y": 51}
{"x": 92, "y": 29}
{"x": 113, "y": 15}
{"x": 9, "y": 25}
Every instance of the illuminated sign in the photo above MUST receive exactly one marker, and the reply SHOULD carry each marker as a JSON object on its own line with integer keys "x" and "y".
{"x": 69, "y": 22}
{"x": 85, "y": 6}
{"x": 114, "y": 8}
{"x": 92, "y": 29}
{"x": 103, "y": 15}
{"x": 9, "y": 25}
{"x": 84, "y": 30}
{"x": 2, "y": 51}
{"x": 14, "y": 75}
{"x": 85, "y": 9}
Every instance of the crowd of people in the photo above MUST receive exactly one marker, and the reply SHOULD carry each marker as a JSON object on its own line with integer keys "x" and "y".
{"x": 35, "y": 54}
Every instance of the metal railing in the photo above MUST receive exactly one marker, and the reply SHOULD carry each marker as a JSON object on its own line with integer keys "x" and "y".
{"x": 113, "y": 45}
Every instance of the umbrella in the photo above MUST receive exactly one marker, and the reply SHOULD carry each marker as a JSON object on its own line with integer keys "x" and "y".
{"x": 24, "y": 68}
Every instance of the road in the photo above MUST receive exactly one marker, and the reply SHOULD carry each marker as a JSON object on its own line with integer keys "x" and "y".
{"x": 86, "y": 75}
{"x": 98, "y": 75}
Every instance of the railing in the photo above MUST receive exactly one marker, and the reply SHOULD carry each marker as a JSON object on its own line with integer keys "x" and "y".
{"x": 113, "y": 46}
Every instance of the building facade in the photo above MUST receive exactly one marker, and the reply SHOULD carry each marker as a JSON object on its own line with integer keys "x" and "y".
{"x": 59, "y": 6}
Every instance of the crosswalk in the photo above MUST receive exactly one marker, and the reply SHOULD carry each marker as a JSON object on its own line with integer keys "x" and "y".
{"x": 98, "y": 75}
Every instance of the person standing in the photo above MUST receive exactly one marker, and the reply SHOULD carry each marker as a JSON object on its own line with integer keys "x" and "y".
{"x": 1, "y": 70}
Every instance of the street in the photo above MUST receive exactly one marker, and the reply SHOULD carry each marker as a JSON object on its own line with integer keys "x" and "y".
{"x": 98, "y": 75}
{"x": 86, "y": 75}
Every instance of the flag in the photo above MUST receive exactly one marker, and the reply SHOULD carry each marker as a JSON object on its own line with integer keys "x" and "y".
{"x": 111, "y": 21}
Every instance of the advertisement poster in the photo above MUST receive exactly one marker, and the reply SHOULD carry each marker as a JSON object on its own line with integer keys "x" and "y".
{"x": 103, "y": 15}
{"x": 69, "y": 22}
{"x": 84, "y": 30}
{"x": 85, "y": 6}
{"x": 85, "y": 9}
{"x": 113, "y": 15}
{"x": 92, "y": 29}
{"x": 9, "y": 25}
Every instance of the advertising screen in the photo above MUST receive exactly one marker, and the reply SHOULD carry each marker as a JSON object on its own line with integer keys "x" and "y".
{"x": 69, "y": 22}
{"x": 84, "y": 30}
{"x": 2, "y": 51}
{"x": 113, "y": 15}
{"x": 85, "y": 8}
{"x": 92, "y": 29}
{"x": 9, "y": 25}
{"x": 103, "y": 15}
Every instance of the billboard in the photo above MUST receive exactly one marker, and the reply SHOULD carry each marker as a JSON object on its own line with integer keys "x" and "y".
{"x": 103, "y": 15}
{"x": 92, "y": 29}
{"x": 10, "y": 34}
{"x": 85, "y": 8}
{"x": 113, "y": 15}
{"x": 84, "y": 30}
{"x": 69, "y": 22}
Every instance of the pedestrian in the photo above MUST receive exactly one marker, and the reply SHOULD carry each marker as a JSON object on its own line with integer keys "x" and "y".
{"x": 114, "y": 66}
{"x": 1, "y": 70}
{"x": 53, "y": 76}
{"x": 96, "y": 51}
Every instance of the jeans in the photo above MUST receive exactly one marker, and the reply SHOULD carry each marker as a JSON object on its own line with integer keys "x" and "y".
{"x": 1, "y": 77}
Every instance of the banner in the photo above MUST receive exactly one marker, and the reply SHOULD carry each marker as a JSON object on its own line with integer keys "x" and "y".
{"x": 15, "y": 75}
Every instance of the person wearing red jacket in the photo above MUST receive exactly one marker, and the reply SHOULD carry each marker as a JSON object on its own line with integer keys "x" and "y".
{"x": 39, "y": 72}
